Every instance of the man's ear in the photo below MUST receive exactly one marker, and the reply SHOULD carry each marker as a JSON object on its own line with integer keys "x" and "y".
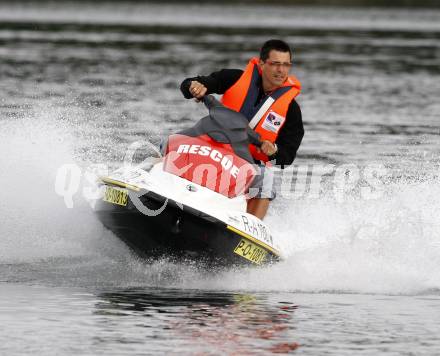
{"x": 260, "y": 62}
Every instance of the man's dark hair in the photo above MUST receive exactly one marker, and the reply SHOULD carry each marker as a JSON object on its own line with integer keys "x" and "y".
{"x": 276, "y": 45}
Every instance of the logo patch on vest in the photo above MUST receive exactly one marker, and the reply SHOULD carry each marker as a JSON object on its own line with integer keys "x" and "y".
{"x": 273, "y": 122}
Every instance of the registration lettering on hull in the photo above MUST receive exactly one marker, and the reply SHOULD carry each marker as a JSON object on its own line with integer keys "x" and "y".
{"x": 250, "y": 251}
{"x": 116, "y": 196}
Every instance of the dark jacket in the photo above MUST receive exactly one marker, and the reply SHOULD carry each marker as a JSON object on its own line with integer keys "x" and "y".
{"x": 290, "y": 135}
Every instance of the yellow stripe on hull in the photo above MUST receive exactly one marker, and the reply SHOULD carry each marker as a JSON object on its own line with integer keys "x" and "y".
{"x": 118, "y": 183}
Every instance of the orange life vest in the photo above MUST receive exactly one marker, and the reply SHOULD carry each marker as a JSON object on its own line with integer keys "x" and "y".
{"x": 268, "y": 116}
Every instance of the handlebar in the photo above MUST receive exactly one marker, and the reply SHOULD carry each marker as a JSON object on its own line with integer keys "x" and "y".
{"x": 211, "y": 102}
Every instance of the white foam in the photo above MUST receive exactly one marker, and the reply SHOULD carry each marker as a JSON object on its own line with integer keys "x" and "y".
{"x": 34, "y": 222}
{"x": 389, "y": 245}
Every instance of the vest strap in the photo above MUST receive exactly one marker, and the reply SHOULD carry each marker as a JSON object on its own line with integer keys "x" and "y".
{"x": 257, "y": 117}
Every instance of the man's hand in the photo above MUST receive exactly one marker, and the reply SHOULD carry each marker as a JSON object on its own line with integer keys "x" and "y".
{"x": 268, "y": 148}
{"x": 197, "y": 90}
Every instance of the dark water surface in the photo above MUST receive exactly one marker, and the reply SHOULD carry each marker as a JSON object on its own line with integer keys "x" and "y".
{"x": 80, "y": 83}
{"x": 175, "y": 321}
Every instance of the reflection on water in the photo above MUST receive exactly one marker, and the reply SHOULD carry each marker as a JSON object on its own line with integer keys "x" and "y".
{"x": 160, "y": 321}
{"x": 194, "y": 320}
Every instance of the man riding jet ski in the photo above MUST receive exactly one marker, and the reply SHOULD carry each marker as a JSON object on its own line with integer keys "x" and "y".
{"x": 192, "y": 203}
{"x": 265, "y": 93}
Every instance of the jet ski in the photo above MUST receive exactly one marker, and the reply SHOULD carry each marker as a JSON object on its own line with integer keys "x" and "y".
{"x": 191, "y": 204}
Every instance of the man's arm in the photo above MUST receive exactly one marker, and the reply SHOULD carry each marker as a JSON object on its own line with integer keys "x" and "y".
{"x": 217, "y": 82}
{"x": 289, "y": 137}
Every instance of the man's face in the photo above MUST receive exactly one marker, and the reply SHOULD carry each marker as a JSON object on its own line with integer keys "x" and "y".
{"x": 275, "y": 69}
